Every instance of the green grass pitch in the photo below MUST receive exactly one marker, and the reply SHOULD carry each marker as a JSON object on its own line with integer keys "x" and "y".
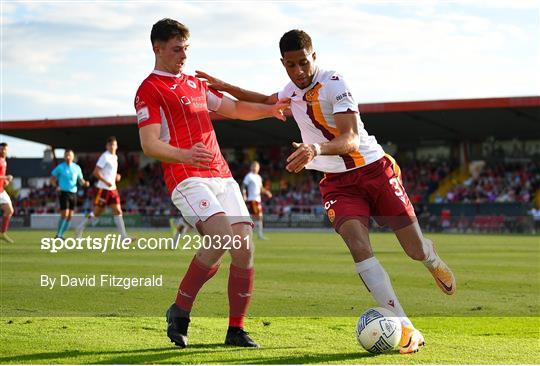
{"x": 306, "y": 302}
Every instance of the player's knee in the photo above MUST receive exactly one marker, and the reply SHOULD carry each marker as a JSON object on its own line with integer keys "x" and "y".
{"x": 242, "y": 257}
{"x": 354, "y": 241}
{"x": 210, "y": 257}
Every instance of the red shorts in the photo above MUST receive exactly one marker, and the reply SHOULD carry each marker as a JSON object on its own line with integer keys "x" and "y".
{"x": 375, "y": 190}
{"x": 105, "y": 197}
{"x": 254, "y": 208}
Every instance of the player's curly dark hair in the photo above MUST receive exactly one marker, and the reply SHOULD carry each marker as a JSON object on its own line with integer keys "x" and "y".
{"x": 166, "y": 29}
{"x": 295, "y": 40}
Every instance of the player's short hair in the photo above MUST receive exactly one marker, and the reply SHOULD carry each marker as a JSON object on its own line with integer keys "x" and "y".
{"x": 3, "y": 144}
{"x": 69, "y": 150}
{"x": 295, "y": 40}
{"x": 166, "y": 29}
{"x": 111, "y": 139}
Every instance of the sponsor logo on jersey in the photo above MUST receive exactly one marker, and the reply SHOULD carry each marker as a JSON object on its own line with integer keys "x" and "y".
{"x": 329, "y": 204}
{"x": 185, "y": 100}
{"x": 199, "y": 101}
{"x": 142, "y": 114}
{"x": 139, "y": 103}
{"x": 173, "y": 87}
{"x": 343, "y": 95}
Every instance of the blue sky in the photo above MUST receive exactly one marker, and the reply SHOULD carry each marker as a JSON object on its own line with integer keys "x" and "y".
{"x": 78, "y": 59}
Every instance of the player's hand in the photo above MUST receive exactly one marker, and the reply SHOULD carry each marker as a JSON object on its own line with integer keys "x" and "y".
{"x": 86, "y": 183}
{"x": 57, "y": 189}
{"x": 118, "y": 177}
{"x": 198, "y": 156}
{"x": 303, "y": 154}
{"x": 268, "y": 194}
{"x": 108, "y": 184}
{"x": 9, "y": 178}
{"x": 280, "y": 107}
{"x": 213, "y": 82}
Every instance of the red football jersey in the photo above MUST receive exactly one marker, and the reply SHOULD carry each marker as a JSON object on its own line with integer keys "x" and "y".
{"x": 180, "y": 104}
{"x": 3, "y": 169}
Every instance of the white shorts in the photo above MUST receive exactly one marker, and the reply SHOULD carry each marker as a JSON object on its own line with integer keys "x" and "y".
{"x": 4, "y": 198}
{"x": 198, "y": 199}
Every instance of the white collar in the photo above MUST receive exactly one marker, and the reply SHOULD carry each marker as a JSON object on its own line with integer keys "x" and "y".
{"x": 164, "y": 73}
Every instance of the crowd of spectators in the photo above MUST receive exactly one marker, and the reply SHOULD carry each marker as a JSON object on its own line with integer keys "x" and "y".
{"x": 143, "y": 190}
{"x": 515, "y": 182}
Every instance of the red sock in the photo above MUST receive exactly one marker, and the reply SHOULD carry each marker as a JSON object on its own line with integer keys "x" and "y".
{"x": 5, "y": 223}
{"x": 240, "y": 290}
{"x": 195, "y": 277}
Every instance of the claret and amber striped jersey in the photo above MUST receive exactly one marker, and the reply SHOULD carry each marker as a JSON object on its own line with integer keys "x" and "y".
{"x": 313, "y": 109}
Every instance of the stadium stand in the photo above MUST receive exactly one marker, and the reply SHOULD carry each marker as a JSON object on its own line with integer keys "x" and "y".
{"x": 463, "y": 168}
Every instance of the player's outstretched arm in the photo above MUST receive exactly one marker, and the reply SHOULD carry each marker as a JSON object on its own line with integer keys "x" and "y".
{"x": 235, "y": 91}
{"x": 153, "y": 147}
{"x": 252, "y": 111}
{"x": 345, "y": 143}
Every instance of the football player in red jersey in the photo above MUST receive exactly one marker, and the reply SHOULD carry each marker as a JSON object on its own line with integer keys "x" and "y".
{"x": 175, "y": 128}
{"x": 5, "y": 201}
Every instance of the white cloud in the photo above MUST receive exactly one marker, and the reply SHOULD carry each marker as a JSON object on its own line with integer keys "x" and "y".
{"x": 93, "y": 55}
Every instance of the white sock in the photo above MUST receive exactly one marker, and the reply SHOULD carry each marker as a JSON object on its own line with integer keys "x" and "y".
{"x": 84, "y": 223}
{"x": 260, "y": 228}
{"x": 378, "y": 283}
{"x": 432, "y": 259}
{"x": 119, "y": 222}
{"x": 184, "y": 230}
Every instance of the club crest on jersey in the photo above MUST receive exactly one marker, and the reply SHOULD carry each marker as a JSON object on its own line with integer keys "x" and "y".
{"x": 331, "y": 215}
{"x": 309, "y": 95}
{"x": 192, "y": 84}
{"x": 185, "y": 100}
{"x": 204, "y": 204}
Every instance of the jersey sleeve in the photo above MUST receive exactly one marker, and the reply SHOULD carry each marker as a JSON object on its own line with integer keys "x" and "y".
{"x": 102, "y": 161}
{"x": 213, "y": 97}
{"x": 339, "y": 94}
{"x": 79, "y": 174}
{"x": 147, "y": 105}
{"x": 56, "y": 171}
{"x": 246, "y": 180}
{"x": 285, "y": 92}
